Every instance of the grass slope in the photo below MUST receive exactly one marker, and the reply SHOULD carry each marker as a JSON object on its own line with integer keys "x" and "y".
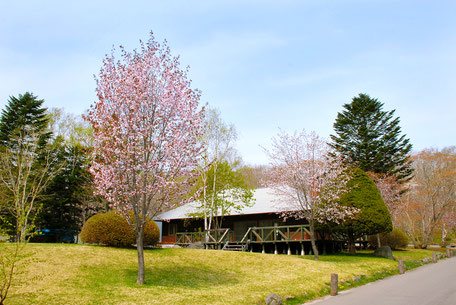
{"x": 79, "y": 274}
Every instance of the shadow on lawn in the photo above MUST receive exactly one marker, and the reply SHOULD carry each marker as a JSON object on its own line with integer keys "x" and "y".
{"x": 346, "y": 257}
{"x": 177, "y": 275}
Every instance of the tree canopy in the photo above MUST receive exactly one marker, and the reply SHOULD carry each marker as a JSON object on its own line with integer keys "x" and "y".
{"x": 227, "y": 193}
{"x": 373, "y": 215}
{"x": 146, "y": 125}
{"x": 370, "y": 138}
{"x": 23, "y": 115}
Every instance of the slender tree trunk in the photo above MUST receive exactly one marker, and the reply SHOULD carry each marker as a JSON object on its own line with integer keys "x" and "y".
{"x": 140, "y": 248}
{"x": 379, "y": 243}
{"x": 351, "y": 244}
{"x": 312, "y": 239}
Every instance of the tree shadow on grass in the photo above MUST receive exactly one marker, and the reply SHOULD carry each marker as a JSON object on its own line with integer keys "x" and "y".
{"x": 176, "y": 275}
{"x": 346, "y": 257}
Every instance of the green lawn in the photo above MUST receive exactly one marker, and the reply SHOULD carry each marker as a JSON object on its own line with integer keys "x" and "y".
{"x": 79, "y": 274}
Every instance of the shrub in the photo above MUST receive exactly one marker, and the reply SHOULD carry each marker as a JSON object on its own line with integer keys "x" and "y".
{"x": 111, "y": 229}
{"x": 396, "y": 239}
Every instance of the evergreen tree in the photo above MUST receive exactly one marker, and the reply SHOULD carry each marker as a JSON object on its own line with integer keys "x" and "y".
{"x": 61, "y": 206}
{"x": 23, "y": 116}
{"x": 371, "y": 139}
{"x": 26, "y": 163}
{"x": 373, "y": 216}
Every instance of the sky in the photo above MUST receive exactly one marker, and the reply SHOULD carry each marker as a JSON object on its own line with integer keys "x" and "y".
{"x": 265, "y": 65}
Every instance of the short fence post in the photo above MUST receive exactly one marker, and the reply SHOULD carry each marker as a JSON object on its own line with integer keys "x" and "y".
{"x": 334, "y": 283}
{"x": 401, "y": 267}
{"x": 448, "y": 253}
{"x": 434, "y": 257}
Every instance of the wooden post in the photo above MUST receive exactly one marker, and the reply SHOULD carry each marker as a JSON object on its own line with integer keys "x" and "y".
{"x": 275, "y": 248}
{"x": 302, "y": 249}
{"x": 434, "y": 257}
{"x": 401, "y": 267}
{"x": 334, "y": 283}
{"x": 289, "y": 250}
{"x": 262, "y": 251}
{"x": 448, "y": 253}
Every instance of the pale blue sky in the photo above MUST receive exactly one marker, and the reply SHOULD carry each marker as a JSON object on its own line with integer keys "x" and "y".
{"x": 263, "y": 64}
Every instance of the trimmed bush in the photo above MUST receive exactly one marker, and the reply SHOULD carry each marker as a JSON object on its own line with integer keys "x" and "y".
{"x": 113, "y": 230}
{"x": 396, "y": 239}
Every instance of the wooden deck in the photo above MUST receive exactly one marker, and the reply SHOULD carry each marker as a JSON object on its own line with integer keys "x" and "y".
{"x": 254, "y": 235}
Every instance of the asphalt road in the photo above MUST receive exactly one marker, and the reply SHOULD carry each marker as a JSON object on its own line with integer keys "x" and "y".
{"x": 432, "y": 284}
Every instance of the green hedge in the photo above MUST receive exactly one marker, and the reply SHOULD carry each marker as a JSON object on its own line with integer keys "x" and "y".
{"x": 113, "y": 230}
{"x": 396, "y": 239}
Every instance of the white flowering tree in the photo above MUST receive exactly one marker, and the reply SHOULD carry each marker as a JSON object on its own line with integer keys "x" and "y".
{"x": 308, "y": 180}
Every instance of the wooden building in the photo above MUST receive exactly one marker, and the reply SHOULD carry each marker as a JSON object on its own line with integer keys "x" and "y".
{"x": 256, "y": 228}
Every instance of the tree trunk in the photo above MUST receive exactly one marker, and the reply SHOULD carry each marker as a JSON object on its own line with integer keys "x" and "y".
{"x": 379, "y": 243}
{"x": 312, "y": 240}
{"x": 351, "y": 244}
{"x": 140, "y": 248}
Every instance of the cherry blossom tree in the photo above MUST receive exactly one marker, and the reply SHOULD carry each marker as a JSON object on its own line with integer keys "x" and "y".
{"x": 391, "y": 190}
{"x": 146, "y": 124}
{"x": 308, "y": 180}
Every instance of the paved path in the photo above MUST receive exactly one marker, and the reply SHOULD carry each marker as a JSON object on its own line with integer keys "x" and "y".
{"x": 432, "y": 284}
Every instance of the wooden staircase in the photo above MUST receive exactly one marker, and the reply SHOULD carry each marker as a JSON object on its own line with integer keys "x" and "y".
{"x": 234, "y": 246}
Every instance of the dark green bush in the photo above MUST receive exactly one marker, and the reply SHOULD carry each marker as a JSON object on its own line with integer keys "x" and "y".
{"x": 111, "y": 229}
{"x": 396, "y": 239}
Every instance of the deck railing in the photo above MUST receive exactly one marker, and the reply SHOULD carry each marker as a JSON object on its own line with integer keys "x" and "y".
{"x": 276, "y": 234}
{"x": 271, "y": 234}
{"x": 218, "y": 236}
{"x": 186, "y": 238}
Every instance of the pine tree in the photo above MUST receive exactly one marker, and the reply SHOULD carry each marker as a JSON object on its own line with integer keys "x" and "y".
{"x": 21, "y": 116}
{"x": 25, "y": 165}
{"x": 371, "y": 139}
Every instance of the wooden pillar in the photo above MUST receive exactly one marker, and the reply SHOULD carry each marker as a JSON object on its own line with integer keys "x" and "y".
{"x": 275, "y": 248}
{"x": 302, "y": 249}
{"x": 289, "y": 250}
{"x": 334, "y": 283}
{"x": 262, "y": 246}
{"x": 401, "y": 267}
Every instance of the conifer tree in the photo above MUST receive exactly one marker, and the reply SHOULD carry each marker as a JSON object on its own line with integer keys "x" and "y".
{"x": 373, "y": 216}
{"x": 23, "y": 115}
{"x": 370, "y": 138}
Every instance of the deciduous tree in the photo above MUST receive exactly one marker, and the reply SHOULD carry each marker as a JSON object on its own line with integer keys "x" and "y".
{"x": 27, "y": 164}
{"x": 308, "y": 180}
{"x": 431, "y": 201}
{"x": 217, "y": 140}
{"x": 229, "y": 194}
{"x": 146, "y": 126}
